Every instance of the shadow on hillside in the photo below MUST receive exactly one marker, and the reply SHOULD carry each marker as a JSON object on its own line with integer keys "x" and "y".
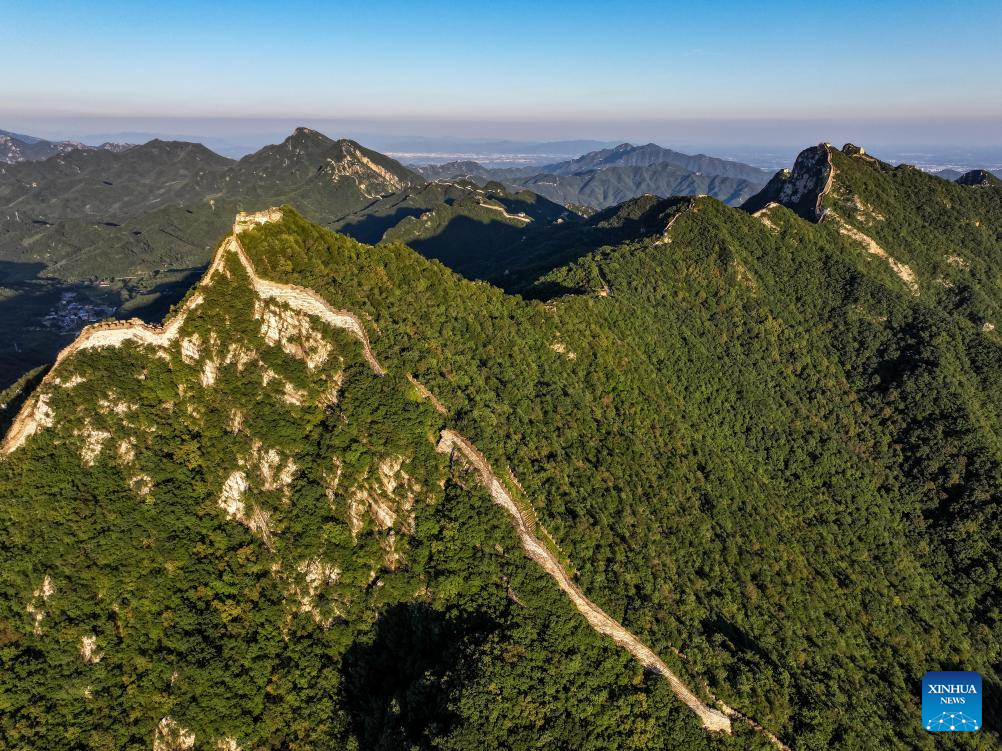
{"x": 153, "y": 305}
{"x": 371, "y": 227}
{"x": 522, "y": 271}
{"x": 476, "y": 249}
{"x": 398, "y": 686}
{"x": 39, "y": 316}
{"x": 30, "y": 336}
{"x": 991, "y": 711}
{"x": 736, "y": 636}
{"x": 15, "y": 395}
{"x": 17, "y": 271}
{"x": 539, "y": 207}
{"x": 542, "y": 291}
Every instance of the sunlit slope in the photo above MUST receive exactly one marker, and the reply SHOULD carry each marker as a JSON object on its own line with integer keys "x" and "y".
{"x": 745, "y": 436}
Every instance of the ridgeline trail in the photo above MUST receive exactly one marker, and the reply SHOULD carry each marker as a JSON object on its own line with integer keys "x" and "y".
{"x": 451, "y": 442}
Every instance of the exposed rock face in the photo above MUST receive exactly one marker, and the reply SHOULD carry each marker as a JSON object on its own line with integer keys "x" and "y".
{"x": 851, "y": 149}
{"x": 388, "y": 502}
{"x": 311, "y": 577}
{"x": 36, "y": 607}
{"x": 903, "y": 271}
{"x": 294, "y": 333}
{"x": 170, "y": 736}
{"x": 807, "y": 182}
{"x": 373, "y": 180}
{"x": 93, "y": 443}
{"x": 561, "y": 349}
{"x": 88, "y": 650}
{"x": 802, "y": 189}
{"x": 231, "y": 500}
{"x": 36, "y": 413}
{"x": 232, "y": 494}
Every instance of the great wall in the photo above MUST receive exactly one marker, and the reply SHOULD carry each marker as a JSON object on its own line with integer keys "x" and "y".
{"x": 35, "y": 414}
{"x": 599, "y": 620}
{"x": 903, "y": 272}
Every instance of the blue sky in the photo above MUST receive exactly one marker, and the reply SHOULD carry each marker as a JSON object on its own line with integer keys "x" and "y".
{"x": 539, "y": 68}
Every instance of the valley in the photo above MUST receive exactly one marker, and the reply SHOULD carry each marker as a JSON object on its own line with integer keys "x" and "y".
{"x": 152, "y": 214}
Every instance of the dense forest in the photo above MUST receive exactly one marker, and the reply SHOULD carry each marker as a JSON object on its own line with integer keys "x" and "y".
{"x": 747, "y": 436}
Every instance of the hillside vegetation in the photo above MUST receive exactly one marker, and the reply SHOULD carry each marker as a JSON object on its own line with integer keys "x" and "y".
{"x": 753, "y": 440}
{"x": 91, "y": 234}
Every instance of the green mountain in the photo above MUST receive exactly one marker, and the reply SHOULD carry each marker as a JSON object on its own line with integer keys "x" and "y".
{"x": 624, "y": 155}
{"x": 43, "y": 200}
{"x": 94, "y": 234}
{"x": 328, "y": 178}
{"x": 628, "y": 155}
{"x": 89, "y": 234}
{"x": 730, "y": 470}
{"x": 979, "y": 177}
{"x": 465, "y": 168}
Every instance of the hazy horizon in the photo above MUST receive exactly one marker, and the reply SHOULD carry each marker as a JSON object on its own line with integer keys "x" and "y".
{"x": 768, "y": 144}
{"x": 717, "y": 75}
{"x": 980, "y": 131}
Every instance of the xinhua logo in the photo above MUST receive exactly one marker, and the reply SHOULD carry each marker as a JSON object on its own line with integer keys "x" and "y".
{"x": 951, "y": 700}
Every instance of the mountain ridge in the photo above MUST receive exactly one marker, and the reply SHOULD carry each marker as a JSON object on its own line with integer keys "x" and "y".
{"x": 635, "y": 400}
{"x": 88, "y": 233}
{"x": 17, "y": 147}
{"x": 36, "y": 414}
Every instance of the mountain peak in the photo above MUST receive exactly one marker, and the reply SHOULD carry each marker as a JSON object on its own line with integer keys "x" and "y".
{"x": 979, "y": 178}
{"x": 302, "y": 136}
{"x": 643, "y": 215}
{"x": 304, "y": 149}
{"x": 801, "y": 189}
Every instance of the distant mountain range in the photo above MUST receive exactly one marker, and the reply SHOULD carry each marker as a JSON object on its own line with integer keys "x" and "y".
{"x": 955, "y": 174}
{"x": 607, "y": 177}
{"x": 91, "y": 232}
{"x": 17, "y": 147}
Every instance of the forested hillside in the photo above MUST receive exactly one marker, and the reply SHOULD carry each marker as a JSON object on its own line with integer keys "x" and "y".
{"x": 92, "y": 234}
{"x": 765, "y": 442}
